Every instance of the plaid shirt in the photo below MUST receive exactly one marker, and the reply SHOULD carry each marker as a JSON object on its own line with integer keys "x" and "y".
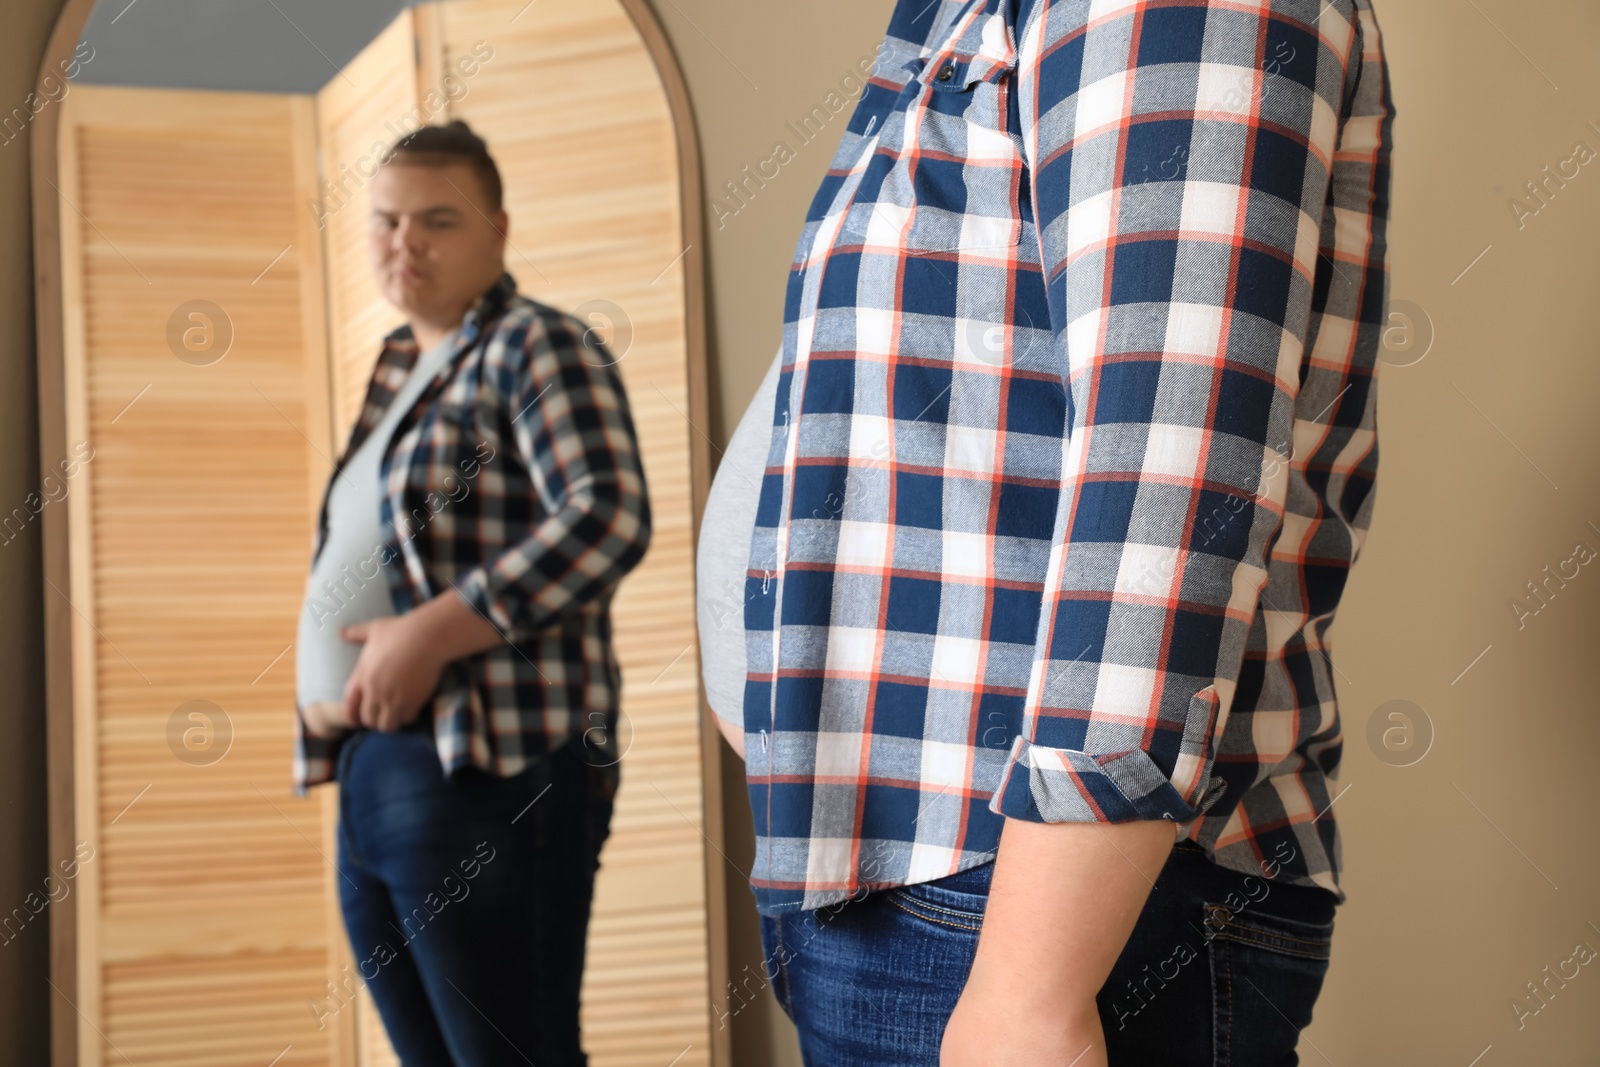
{"x": 519, "y": 477}
{"x": 1074, "y": 443}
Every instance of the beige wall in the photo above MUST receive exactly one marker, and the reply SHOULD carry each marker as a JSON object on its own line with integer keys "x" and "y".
{"x": 1469, "y": 871}
{"x": 24, "y": 962}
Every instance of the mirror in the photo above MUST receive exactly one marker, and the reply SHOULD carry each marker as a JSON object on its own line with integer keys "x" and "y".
{"x": 210, "y": 322}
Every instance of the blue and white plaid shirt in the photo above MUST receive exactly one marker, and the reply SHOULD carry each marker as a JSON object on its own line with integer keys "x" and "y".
{"x": 1075, "y": 441}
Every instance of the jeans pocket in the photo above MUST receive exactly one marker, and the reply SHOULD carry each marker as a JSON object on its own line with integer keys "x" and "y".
{"x": 954, "y": 901}
{"x": 1266, "y": 973}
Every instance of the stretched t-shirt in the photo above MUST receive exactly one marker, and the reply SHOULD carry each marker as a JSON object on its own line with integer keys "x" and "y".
{"x": 723, "y": 553}
{"x": 346, "y": 584}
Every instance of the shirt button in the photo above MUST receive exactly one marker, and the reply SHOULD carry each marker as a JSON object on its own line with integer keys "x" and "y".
{"x": 946, "y": 72}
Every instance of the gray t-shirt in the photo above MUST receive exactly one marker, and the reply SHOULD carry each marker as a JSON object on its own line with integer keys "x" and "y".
{"x": 346, "y": 584}
{"x": 722, "y": 556}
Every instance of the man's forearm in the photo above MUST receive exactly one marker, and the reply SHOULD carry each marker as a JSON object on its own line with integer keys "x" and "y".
{"x": 1063, "y": 900}
{"x": 450, "y": 628}
{"x": 578, "y": 553}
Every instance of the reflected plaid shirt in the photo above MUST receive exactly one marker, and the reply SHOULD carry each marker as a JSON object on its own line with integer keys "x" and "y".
{"x": 518, "y": 478}
{"x": 1075, "y": 441}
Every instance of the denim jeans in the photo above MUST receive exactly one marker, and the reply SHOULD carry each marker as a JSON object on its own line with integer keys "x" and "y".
{"x": 1222, "y": 969}
{"x": 466, "y": 900}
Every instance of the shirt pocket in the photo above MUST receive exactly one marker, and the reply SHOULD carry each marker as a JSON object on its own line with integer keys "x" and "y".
{"x": 953, "y": 181}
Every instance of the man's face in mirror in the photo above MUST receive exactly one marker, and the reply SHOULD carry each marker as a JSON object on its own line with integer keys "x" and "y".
{"x": 435, "y": 244}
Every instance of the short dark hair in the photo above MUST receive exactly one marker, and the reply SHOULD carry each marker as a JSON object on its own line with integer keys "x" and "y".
{"x": 438, "y": 146}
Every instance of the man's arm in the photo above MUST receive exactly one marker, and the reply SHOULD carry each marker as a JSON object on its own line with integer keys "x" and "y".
{"x": 1063, "y": 899}
{"x": 573, "y": 429}
{"x": 1180, "y": 159}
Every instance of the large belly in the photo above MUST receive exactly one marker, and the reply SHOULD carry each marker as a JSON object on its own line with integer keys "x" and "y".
{"x": 336, "y": 595}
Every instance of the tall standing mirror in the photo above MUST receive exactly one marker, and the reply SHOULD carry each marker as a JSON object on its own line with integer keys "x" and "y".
{"x": 209, "y": 323}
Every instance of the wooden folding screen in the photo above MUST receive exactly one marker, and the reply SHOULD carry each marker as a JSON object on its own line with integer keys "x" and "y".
{"x": 193, "y": 333}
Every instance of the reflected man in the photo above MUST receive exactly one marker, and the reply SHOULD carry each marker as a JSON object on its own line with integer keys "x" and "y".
{"x": 455, "y": 669}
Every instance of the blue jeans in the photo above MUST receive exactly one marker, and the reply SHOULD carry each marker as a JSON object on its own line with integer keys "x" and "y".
{"x": 1222, "y": 968}
{"x": 467, "y": 900}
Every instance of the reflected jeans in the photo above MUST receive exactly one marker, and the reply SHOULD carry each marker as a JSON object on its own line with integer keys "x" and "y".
{"x": 1222, "y": 968}
{"x": 466, "y": 900}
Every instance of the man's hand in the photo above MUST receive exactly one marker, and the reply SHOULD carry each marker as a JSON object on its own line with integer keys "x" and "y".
{"x": 404, "y": 657}
{"x": 395, "y": 676}
{"x": 1062, "y": 902}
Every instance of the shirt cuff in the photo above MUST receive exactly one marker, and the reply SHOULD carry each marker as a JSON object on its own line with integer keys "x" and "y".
{"x": 1067, "y": 785}
{"x": 478, "y": 591}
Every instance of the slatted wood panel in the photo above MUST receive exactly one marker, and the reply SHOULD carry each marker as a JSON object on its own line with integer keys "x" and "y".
{"x": 362, "y": 109}
{"x": 203, "y": 922}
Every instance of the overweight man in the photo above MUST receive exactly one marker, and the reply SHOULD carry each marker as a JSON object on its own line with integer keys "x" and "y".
{"x": 455, "y": 669}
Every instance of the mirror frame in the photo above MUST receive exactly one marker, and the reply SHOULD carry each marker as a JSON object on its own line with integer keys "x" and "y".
{"x": 52, "y": 398}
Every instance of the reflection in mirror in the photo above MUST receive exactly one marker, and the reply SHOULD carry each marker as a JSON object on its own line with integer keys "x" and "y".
{"x": 380, "y": 707}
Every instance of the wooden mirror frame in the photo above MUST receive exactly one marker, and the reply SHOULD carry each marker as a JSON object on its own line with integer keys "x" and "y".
{"x": 53, "y": 444}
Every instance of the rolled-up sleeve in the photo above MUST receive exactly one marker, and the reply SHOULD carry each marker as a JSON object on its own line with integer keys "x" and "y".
{"x": 1180, "y": 159}
{"x": 574, "y": 431}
